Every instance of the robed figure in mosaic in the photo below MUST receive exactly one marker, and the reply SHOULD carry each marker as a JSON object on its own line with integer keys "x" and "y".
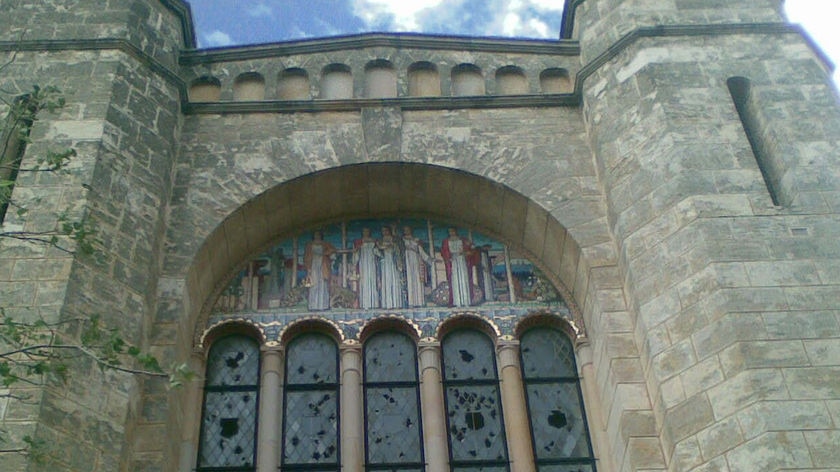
{"x": 317, "y": 259}
{"x": 457, "y": 255}
{"x": 365, "y": 254}
{"x": 416, "y": 259}
{"x": 389, "y": 273}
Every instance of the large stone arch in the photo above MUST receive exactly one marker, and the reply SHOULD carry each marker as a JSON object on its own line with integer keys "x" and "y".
{"x": 574, "y": 251}
{"x": 382, "y": 190}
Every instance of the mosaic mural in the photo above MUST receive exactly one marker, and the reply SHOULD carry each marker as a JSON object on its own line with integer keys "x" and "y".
{"x": 385, "y": 264}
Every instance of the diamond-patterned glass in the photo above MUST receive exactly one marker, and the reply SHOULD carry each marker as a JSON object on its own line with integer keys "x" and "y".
{"x": 310, "y": 434}
{"x": 389, "y": 357}
{"x": 481, "y": 468}
{"x": 393, "y": 425}
{"x": 234, "y": 360}
{"x": 312, "y": 359}
{"x": 547, "y": 353}
{"x": 229, "y": 424}
{"x": 468, "y": 355}
{"x": 557, "y": 420}
{"x": 229, "y": 429}
{"x": 565, "y": 468}
{"x": 475, "y": 423}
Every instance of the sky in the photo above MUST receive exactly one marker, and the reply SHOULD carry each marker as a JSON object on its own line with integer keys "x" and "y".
{"x": 236, "y": 22}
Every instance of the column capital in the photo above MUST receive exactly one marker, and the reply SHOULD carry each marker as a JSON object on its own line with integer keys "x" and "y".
{"x": 507, "y": 351}
{"x": 427, "y": 343}
{"x": 351, "y": 357}
{"x": 272, "y": 360}
{"x": 429, "y": 353}
{"x": 272, "y": 348}
{"x": 350, "y": 346}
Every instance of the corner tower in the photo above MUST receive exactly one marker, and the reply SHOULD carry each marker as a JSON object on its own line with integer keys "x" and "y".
{"x": 714, "y": 128}
{"x": 115, "y": 63}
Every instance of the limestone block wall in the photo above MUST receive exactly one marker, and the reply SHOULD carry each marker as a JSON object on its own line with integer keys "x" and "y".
{"x": 119, "y": 183}
{"x": 156, "y": 28}
{"x": 734, "y": 299}
{"x": 110, "y": 60}
{"x": 598, "y": 24}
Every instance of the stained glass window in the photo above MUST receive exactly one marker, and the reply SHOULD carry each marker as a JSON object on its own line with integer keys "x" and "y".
{"x": 310, "y": 419}
{"x": 229, "y": 420}
{"x": 555, "y": 407}
{"x": 392, "y": 404}
{"x": 473, "y": 404}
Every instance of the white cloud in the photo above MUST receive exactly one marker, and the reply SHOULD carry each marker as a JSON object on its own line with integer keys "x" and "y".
{"x": 218, "y": 38}
{"x": 819, "y": 17}
{"x": 506, "y": 17}
{"x": 260, "y": 10}
{"x": 402, "y": 15}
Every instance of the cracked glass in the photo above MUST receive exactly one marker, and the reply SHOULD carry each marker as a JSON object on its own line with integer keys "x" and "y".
{"x": 394, "y": 436}
{"x": 310, "y": 420}
{"x": 229, "y": 422}
{"x": 473, "y": 405}
{"x": 555, "y": 407}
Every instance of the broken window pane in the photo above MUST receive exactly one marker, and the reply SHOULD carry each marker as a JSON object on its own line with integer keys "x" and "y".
{"x": 229, "y": 424}
{"x": 310, "y": 426}
{"x": 558, "y": 425}
{"x": 473, "y": 405}
{"x": 394, "y": 438}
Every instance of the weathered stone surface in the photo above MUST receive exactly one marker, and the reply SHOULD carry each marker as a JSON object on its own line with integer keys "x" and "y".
{"x": 712, "y": 315}
{"x": 771, "y": 451}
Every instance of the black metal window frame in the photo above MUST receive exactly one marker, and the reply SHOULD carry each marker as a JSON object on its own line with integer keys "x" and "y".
{"x": 333, "y": 387}
{"x": 255, "y": 388}
{"x": 393, "y": 384}
{"x": 463, "y": 465}
{"x": 554, "y": 380}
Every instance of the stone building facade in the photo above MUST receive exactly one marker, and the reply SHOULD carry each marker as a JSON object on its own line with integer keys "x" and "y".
{"x": 668, "y": 168}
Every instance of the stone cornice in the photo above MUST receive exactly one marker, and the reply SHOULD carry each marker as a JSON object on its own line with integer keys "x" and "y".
{"x": 404, "y": 103}
{"x": 676, "y": 31}
{"x": 102, "y": 44}
{"x": 369, "y": 40}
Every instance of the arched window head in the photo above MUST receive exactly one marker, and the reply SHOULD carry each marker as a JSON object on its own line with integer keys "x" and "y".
{"x": 229, "y": 421}
{"x": 555, "y": 407}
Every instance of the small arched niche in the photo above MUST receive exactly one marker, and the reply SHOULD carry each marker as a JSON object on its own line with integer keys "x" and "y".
{"x": 423, "y": 80}
{"x": 555, "y": 80}
{"x": 293, "y": 84}
{"x": 336, "y": 82}
{"x": 205, "y": 89}
{"x": 249, "y": 87}
{"x": 380, "y": 79}
{"x": 511, "y": 80}
{"x": 467, "y": 80}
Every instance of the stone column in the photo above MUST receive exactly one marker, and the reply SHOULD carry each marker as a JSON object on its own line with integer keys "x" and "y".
{"x": 517, "y": 428}
{"x": 592, "y": 407}
{"x": 192, "y": 401}
{"x": 352, "y": 421}
{"x": 431, "y": 406}
{"x": 270, "y": 415}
